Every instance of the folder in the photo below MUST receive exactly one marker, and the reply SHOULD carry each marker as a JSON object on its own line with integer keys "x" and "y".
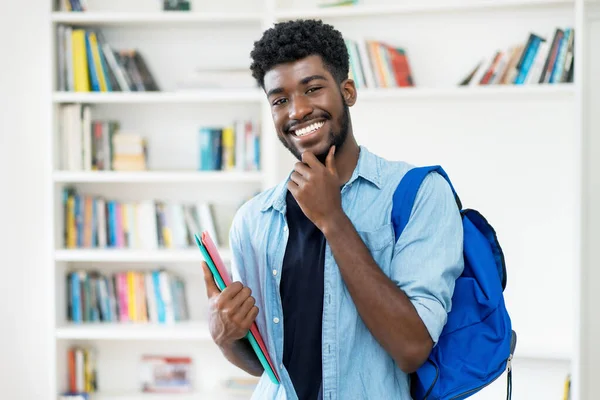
{"x": 217, "y": 267}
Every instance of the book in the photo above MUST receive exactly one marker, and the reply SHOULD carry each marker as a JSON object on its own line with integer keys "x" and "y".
{"x": 166, "y": 374}
{"x": 222, "y": 279}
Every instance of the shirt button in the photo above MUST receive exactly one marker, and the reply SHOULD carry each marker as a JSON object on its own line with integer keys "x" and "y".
{"x": 276, "y": 320}
{"x": 274, "y": 272}
{"x": 285, "y": 228}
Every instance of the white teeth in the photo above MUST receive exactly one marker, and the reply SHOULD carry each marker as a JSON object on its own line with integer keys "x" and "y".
{"x": 309, "y": 129}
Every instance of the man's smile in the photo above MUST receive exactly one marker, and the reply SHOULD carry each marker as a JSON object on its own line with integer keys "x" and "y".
{"x": 307, "y": 128}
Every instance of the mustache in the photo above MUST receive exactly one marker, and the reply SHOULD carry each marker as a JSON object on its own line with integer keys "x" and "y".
{"x": 324, "y": 115}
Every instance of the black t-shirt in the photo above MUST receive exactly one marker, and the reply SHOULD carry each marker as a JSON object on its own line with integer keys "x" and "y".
{"x": 301, "y": 290}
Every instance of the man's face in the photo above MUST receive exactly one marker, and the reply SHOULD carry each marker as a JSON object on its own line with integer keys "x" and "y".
{"x": 308, "y": 107}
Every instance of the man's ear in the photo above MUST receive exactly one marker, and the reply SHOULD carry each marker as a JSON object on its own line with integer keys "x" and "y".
{"x": 349, "y": 93}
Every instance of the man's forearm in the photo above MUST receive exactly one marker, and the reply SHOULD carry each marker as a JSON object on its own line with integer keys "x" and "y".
{"x": 385, "y": 309}
{"x": 240, "y": 354}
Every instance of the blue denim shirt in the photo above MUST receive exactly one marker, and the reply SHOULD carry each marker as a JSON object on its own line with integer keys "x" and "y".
{"x": 424, "y": 263}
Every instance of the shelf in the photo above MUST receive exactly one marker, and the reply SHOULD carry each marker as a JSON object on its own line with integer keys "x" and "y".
{"x": 157, "y": 177}
{"x": 465, "y": 91}
{"x": 134, "y": 331}
{"x": 204, "y": 96}
{"x": 538, "y": 353}
{"x": 126, "y": 255}
{"x": 257, "y": 96}
{"x": 415, "y": 8}
{"x": 155, "y": 18}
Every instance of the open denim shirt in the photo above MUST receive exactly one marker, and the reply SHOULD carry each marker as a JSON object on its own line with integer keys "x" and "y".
{"x": 424, "y": 262}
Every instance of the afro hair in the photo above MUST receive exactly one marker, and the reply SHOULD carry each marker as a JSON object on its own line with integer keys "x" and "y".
{"x": 293, "y": 40}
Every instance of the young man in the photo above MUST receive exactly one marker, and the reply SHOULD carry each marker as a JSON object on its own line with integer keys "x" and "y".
{"x": 346, "y": 311}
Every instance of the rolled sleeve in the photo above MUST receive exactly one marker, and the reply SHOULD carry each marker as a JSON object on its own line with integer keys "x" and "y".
{"x": 428, "y": 256}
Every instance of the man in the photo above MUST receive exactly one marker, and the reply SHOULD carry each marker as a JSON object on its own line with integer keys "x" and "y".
{"x": 346, "y": 311}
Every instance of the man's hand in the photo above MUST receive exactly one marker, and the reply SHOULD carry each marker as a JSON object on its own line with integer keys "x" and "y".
{"x": 316, "y": 188}
{"x": 231, "y": 312}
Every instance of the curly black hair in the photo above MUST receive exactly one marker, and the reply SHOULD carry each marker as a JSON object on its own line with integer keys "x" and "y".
{"x": 293, "y": 40}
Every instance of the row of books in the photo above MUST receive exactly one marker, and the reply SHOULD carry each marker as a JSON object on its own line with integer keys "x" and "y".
{"x": 540, "y": 60}
{"x": 377, "y": 64}
{"x": 92, "y": 221}
{"x": 87, "y": 63}
{"x": 232, "y": 147}
{"x": 81, "y": 372}
{"x": 88, "y": 144}
{"x": 72, "y": 5}
{"x": 157, "y": 296}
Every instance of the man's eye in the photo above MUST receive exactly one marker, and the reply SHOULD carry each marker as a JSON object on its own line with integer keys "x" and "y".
{"x": 279, "y": 101}
{"x": 313, "y": 89}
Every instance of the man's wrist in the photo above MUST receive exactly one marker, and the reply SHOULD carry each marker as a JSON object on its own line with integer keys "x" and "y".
{"x": 334, "y": 223}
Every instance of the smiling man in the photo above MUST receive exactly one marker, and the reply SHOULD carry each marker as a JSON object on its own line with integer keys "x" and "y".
{"x": 347, "y": 312}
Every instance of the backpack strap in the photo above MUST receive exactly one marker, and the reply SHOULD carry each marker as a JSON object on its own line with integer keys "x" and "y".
{"x": 406, "y": 193}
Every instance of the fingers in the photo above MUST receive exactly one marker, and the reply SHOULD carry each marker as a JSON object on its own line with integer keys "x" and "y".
{"x": 247, "y": 306}
{"x": 293, "y": 188}
{"x": 240, "y": 297}
{"x": 310, "y": 159}
{"x": 251, "y": 316}
{"x": 232, "y": 291}
{"x": 298, "y": 179}
{"x": 303, "y": 170}
{"x": 330, "y": 160}
{"x": 211, "y": 287}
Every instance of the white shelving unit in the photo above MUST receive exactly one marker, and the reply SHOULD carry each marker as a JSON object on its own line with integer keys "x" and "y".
{"x": 507, "y": 148}
{"x": 208, "y": 96}
{"x": 158, "y": 177}
{"x": 125, "y": 256}
{"x": 184, "y": 331}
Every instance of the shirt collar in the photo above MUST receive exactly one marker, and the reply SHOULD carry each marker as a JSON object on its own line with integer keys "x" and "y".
{"x": 368, "y": 168}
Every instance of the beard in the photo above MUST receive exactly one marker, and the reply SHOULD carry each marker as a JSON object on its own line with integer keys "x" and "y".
{"x": 336, "y": 139}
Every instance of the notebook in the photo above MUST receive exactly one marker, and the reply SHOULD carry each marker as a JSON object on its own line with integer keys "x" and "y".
{"x": 222, "y": 279}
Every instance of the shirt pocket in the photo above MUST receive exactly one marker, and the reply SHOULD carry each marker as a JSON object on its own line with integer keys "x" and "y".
{"x": 378, "y": 238}
{"x": 380, "y": 242}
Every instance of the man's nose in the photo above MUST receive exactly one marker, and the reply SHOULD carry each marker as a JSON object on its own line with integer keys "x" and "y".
{"x": 299, "y": 108}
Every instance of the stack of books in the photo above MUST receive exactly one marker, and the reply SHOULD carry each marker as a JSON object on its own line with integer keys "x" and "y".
{"x": 540, "y": 60}
{"x": 376, "y": 64}
{"x": 129, "y": 152}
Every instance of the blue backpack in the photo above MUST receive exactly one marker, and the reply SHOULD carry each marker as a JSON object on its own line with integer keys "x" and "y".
{"x": 477, "y": 343}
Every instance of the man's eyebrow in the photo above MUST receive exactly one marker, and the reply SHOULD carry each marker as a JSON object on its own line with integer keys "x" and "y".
{"x": 303, "y": 81}
{"x": 275, "y": 91}
{"x": 306, "y": 80}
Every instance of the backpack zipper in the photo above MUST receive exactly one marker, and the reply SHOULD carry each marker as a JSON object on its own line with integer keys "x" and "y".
{"x": 469, "y": 392}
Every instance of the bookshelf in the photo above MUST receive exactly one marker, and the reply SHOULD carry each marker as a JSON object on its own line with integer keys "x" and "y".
{"x": 158, "y": 177}
{"x": 206, "y": 96}
{"x": 514, "y": 133}
{"x": 154, "y": 18}
{"x": 124, "y": 256}
{"x": 184, "y": 331}
{"x": 367, "y": 10}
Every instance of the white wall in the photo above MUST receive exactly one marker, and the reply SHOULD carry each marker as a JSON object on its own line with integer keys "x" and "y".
{"x": 24, "y": 90}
